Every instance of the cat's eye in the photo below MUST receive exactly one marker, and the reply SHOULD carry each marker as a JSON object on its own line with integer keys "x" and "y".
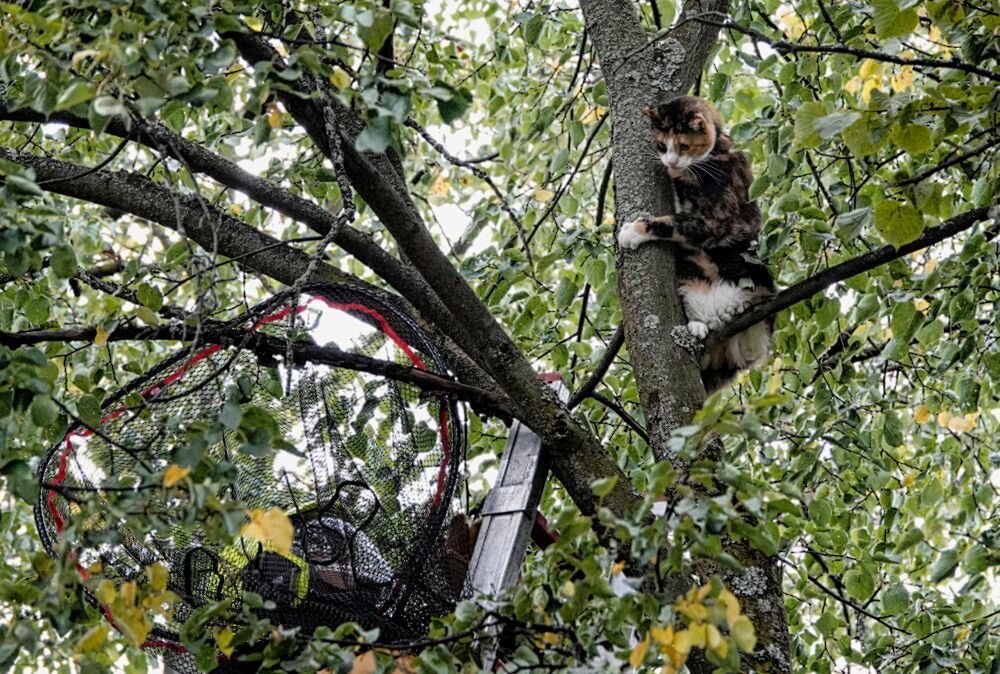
{"x": 661, "y": 146}
{"x": 683, "y": 147}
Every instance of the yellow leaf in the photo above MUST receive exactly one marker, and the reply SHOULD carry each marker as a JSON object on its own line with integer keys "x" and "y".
{"x": 440, "y": 187}
{"x": 224, "y": 640}
{"x": 930, "y": 266}
{"x": 127, "y": 593}
{"x": 943, "y": 417}
{"x": 101, "y": 336}
{"x": 234, "y": 210}
{"x": 158, "y": 577}
{"x": 852, "y": 85}
{"x": 715, "y": 642}
{"x": 963, "y": 424}
{"x": 683, "y": 641}
{"x": 909, "y": 479}
{"x": 617, "y": 568}
{"x": 699, "y": 634}
{"x": 106, "y": 592}
{"x": 255, "y": 23}
{"x": 693, "y": 611}
{"x": 867, "y": 89}
{"x": 339, "y": 78}
{"x": 743, "y": 634}
{"x": 543, "y": 195}
{"x": 274, "y": 117}
{"x": 922, "y": 414}
{"x": 93, "y": 638}
{"x": 271, "y": 527}
{"x": 638, "y": 654}
{"x": 663, "y": 636}
{"x": 364, "y": 663}
{"x": 870, "y": 69}
{"x": 902, "y": 80}
{"x": 174, "y": 474}
{"x": 921, "y": 305}
{"x": 732, "y": 605}
{"x": 133, "y": 623}
{"x": 592, "y": 115}
{"x": 568, "y": 589}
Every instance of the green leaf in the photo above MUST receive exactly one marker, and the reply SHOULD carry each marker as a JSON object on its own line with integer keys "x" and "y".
{"x": 895, "y": 599}
{"x": 909, "y": 539}
{"x": 859, "y": 583}
{"x": 63, "y": 262}
{"x": 821, "y": 512}
{"x": 604, "y": 486}
{"x": 375, "y": 137}
{"x": 43, "y": 411}
{"x": 914, "y": 138}
{"x": 456, "y": 106}
{"x": 533, "y": 28}
{"x": 74, "y": 94}
{"x": 945, "y": 565}
{"x": 830, "y": 125}
{"x": 231, "y": 415}
{"x": 374, "y": 27}
{"x": 899, "y": 223}
{"x": 806, "y": 135}
{"x": 860, "y": 138}
{"x": 89, "y": 410}
{"x": 108, "y": 106}
{"x": 891, "y": 21}
{"x": 149, "y": 296}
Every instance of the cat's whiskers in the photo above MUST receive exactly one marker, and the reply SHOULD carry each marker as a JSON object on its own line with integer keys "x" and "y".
{"x": 694, "y": 174}
{"x": 710, "y": 171}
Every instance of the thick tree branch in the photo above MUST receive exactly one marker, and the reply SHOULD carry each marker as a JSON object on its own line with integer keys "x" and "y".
{"x": 273, "y": 347}
{"x": 856, "y": 265}
{"x": 200, "y": 160}
{"x": 577, "y": 457}
{"x": 210, "y": 228}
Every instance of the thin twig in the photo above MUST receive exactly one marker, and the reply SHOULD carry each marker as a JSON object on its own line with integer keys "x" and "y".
{"x": 625, "y": 416}
{"x": 93, "y": 169}
{"x": 947, "y": 164}
{"x": 482, "y": 175}
{"x": 614, "y": 346}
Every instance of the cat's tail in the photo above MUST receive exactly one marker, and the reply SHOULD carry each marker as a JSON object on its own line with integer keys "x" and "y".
{"x": 722, "y": 362}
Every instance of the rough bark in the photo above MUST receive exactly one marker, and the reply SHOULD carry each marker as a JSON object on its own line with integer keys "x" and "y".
{"x": 667, "y": 374}
{"x": 210, "y": 228}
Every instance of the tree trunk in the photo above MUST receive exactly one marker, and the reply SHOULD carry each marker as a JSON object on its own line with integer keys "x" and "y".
{"x": 667, "y": 375}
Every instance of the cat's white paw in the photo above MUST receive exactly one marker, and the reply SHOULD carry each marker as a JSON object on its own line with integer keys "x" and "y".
{"x": 634, "y": 234}
{"x": 698, "y": 329}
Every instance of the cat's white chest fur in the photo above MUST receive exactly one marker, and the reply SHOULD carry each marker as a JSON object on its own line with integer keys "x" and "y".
{"x": 713, "y": 304}
{"x": 710, "y": 306}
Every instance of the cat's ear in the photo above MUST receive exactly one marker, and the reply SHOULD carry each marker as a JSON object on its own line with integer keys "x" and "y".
{"x": 698, "y": 122}
{"x": 650, "y": 112}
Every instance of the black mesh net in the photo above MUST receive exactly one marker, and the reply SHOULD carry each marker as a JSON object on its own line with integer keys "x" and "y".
{"x": 366, "y": 474}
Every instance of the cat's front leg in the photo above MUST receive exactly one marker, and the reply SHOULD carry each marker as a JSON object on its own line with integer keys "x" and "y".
{"x": 641, "y": 230}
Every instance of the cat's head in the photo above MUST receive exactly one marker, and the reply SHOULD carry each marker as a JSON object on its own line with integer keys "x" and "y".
{"x": 685, "y": 129}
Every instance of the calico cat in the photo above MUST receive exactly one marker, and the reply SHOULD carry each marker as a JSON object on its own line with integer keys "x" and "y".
{"x": 715, "y": 224}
